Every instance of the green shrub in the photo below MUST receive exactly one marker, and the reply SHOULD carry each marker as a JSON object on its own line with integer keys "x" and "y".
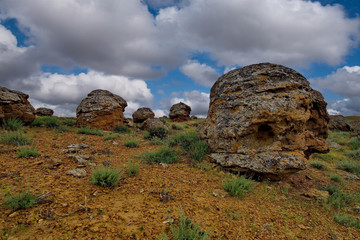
{"x": 164, "y": 155}
{"x": 131, "y": 143}
{"x": 61, "y": 129}
{"x": 13, "y": 124}
{"x": 353, "y": 154}
{"x": 91, "y": 131}
{"x": 69, "y": 121}
{"x": 347, "y": 220}
{"x": 354, "y": 143}
{"x": 132, "y": 168}
{"x": 191, "y": 142}
{"x": 185, "y": 229}
{"x": 21, "y": 200}
{"x": 47, "y": 121}
{"x": 26, "y": 152}
{"x": 111, "y": 137}
{"x": 158, "y": 132}
{"x": 14, "y": 138}
{"x": 336, "y": 177}
{"x": 239, "y": 187}
{"x": 338, "y": 198}
{"x": 349, "y": 166}
{"x": 105, "y": 177}
{"x": 177, "y": 127}
{"x": 156, "y": 141}
{"x": 317, "y": 165}
{"x": 122, "y": 129}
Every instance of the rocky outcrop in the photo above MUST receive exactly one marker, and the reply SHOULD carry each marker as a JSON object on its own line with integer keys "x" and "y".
{"x": 142, "y": 114}
{"x": 101, "y": 109}
{"x": 44, "y": 112}
{"x": 265, "y": 119}
{"x": 180, "y": 112}
{"x": 338, "y": 122}
{"x": 15, "y": 104}
{"x": 153, "y": 123}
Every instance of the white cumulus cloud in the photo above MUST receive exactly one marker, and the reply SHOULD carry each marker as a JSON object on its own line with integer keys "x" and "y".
{"x": 198, "y": 101}
{"x": 200, "y": 73}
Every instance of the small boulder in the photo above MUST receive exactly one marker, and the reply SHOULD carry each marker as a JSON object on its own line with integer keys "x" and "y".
{"x": 265, "y": 119}
{"x": 78, "y": 172}
{"x": 44, "y": 112}
{"x": 153, "y": 123}
{"x": 338, "y": 122}
{"x": 101, "y": 109}
{"x": 180, "y": 112}
{"x": 142, "y": 114}
{"x": 15, "y": 104}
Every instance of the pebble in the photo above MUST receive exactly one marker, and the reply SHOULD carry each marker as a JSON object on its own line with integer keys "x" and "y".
{"x": 77, "y": 172}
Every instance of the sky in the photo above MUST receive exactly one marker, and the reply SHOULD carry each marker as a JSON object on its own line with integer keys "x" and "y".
{"x": 155, "y": 53}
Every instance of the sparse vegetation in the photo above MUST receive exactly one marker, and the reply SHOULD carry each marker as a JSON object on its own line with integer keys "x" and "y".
{"x": 336, "y": 177}
{"x": 131, "y": 143}
{"x": 132, "y": 168}
{"x": 346, "y": 220}
{"x": 318, "y": 165}
{"x": 14, "y": 138}
{"x": 122, "y": 129}
{"x": 21, "y": 200}
{"x": 111, "y": 137}
{"x": 177, "y": 127}
{"x": 164, "y": 155}
{"x": 105, "y": 177}
{"x": 239, "y": 187}
{"x": 158, "y": 132}
{"x": 13, "y": 124}
{"x": 47, "y": 121}
{"x": 68, "y": 121}
{"x": 27, "y": 151}
{"x": 91, "y": 131}
{"x": 349, "y": 166}
{"x": 354, "y": 143}
{"x": 185, "y": 229}
{"x": 338, "y": 198}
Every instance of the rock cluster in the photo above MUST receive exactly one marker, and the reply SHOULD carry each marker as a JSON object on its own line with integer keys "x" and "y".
{"x": 265, "y": 119}
{"x": 101, "y": 109}
{"x": 14, "y": 104}
{"x": 142, "y": 114}
{"x": 180, "y": 112}
{"x": 44, "y": 112}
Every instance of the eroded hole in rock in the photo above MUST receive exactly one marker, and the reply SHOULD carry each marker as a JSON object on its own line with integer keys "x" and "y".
{"x": 265, "y": 133}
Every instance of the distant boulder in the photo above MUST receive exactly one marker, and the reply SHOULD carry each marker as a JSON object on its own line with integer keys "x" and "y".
{"x": 180, "y": 112}
{"x": 153, "y": 123}
{"x": 44, "y": 112}
{"x": 142, "y": 114}
{"x": 338, "y": 122}
{"x": 15, "y": 104}
{"x": 265, "y": 119}
{"x": 101, "y": 109}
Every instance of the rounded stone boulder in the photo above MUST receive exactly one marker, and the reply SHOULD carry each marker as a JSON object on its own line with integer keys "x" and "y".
{"x": 44, "y": 112}
{"x": 15, "y": 104}
{"x": 101, "y": 109}
{"x": 142, "y": 114}
{"x": 265, "y": 119}
{"x": 180, "y": 112}
{"x": 338, "y": 122}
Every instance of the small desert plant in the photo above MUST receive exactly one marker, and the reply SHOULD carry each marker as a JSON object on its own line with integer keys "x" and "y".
{"x": 60, "y": 129}
{"x": 21, "y": 200}
{"x": 164, "y": 155}
{"x": 13, "y": 124}
{"x": 159, "y": 132}
{"x": 349, "y": 166}
{"x": 69, "y": 121}
{"x": 47, "y": 121}
{"x": 14, "y": 138}
{"x": 353, "y": 154}
{"x": 157, "y": 141}
{"x": 347, "y": 220}
{"x": 338, "y": 198}
{"x": 26, "y": 152}
{"x": 132, "y": 168}
{"x": 90, "y": 131}
{"x": 336, "y": 177}
{"x": 105, "y": 177}
{"x": 131, "y": 143}
{"x": 354, "y": 143}
{"x": 239, "y": 187}
{"x": 122, "y": 129}
{"x": 317, "y": 165}
{"x": 186, "y": 229}
{"x": 177, "y": 127}
{"x": 111, "y": 137}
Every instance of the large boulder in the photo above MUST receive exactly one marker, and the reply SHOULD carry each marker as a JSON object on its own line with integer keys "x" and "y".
{"x": 265, "y": 119}
{"x": 338, "y": 122}
{"x": 44, "y": 112}
{"x": 101, "y": 109}
{"x": 153, "y": 123}
{"x": 15, "y": 104}
{"x": 142, "y": 114}
{"x": 180, "y": 112}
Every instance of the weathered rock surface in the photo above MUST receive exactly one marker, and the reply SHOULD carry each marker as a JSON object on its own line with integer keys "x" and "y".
{"x": 44, "y": 112}
{"x": 142, "y": 114}
{"x": 14, "y": 104}
{"x": 101, "y": 109}
{"x": 180, "y": 112}
{"x": 77, "y": 172}
{"x": 338, "y": 122}
{"x": 265, "y": 119}
{"x": 153, "y": 123}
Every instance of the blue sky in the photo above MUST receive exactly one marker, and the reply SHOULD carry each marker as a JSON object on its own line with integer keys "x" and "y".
{"x": 155, "y": 53}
